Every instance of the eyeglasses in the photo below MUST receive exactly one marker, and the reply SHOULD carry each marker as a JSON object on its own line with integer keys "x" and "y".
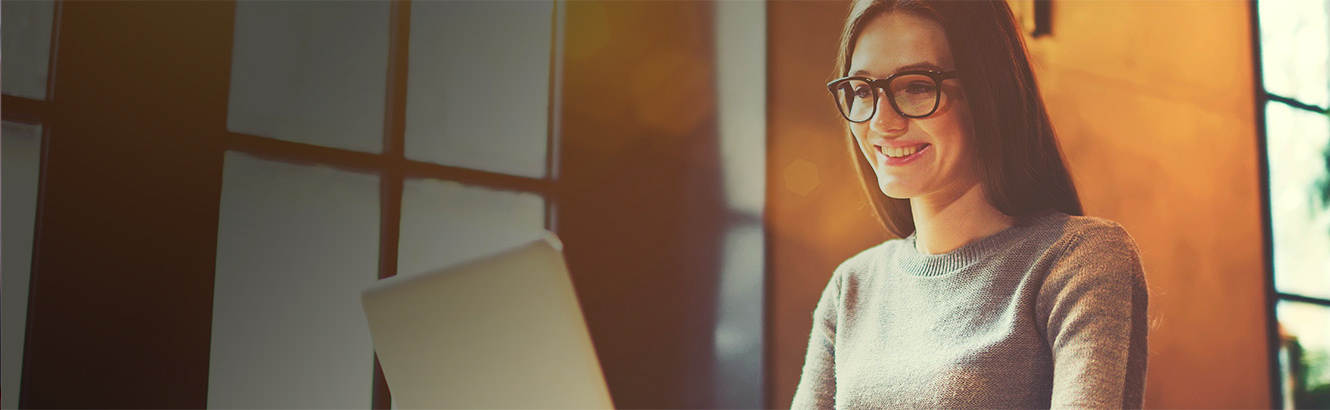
{"x": 914, "y": 94}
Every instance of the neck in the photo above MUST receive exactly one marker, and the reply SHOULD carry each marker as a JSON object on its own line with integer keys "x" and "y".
{"x": 947, "y": 221}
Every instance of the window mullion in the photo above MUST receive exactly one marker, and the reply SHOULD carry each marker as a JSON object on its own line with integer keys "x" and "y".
{"x": 1294, "y": 103}
{"x": 1303, "y": 299}
{"x": 394, "y": 125}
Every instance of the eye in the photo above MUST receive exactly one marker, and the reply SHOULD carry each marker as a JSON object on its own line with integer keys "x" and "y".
{"x": 920, "y": 87}
{"x": 863, "y": 91}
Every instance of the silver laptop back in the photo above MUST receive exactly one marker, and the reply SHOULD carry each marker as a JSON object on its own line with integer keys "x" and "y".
{"x": 504, "y": 331}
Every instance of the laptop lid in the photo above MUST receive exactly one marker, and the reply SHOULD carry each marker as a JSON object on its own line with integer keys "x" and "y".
{"x": 503, "y": 331}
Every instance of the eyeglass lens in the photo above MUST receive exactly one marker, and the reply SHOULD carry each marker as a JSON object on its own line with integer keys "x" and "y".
{"x": 915, "y": 95}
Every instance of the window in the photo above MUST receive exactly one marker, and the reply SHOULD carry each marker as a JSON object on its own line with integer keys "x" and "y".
{"x": 27, "y": 39}
{"x": 366, "y": 139}
{"x": 21, "y": 159}
{"x": 1293, "y": 43}
{"x": 741, "y": 103}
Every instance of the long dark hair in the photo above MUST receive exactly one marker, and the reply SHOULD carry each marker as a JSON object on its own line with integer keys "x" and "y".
{"x": 1020, "y": 163}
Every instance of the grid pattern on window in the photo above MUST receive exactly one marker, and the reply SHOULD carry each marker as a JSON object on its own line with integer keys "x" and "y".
{"x": 409, "y": 142}
{"x": 1291, "y": 42}
{"x": 25, "y": 61}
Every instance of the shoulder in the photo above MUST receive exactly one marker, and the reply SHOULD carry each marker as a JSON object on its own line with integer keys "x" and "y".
{"x": 1097, "y": 251}
{"x": 853, "y": 271}
{"x": 867, "y": 260}
{"x": 1084, "y": 236}
{"x": 1095, "y": 273}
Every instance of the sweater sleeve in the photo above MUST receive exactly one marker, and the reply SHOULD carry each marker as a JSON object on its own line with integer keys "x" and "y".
{"x": 1093, "y": 305}
{"x": 817, "y": 385}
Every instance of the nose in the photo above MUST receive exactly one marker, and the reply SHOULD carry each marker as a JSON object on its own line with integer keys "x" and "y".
{"x": 886, "y": 120}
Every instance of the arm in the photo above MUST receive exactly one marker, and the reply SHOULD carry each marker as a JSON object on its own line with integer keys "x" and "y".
{"x": 817, "y": 385}
{"x": 1094, "y": 302}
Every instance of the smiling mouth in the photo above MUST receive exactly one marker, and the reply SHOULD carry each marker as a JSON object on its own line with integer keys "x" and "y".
{"x": 900, "y": 152}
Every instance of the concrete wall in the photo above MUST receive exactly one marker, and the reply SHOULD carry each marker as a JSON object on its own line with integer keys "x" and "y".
{"x": 1154, "y": 107}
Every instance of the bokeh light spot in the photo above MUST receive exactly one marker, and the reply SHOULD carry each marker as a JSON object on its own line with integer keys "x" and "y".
{"x": 801, "y": 176}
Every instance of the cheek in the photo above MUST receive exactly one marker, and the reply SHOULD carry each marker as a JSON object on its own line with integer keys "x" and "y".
{"x": 953, "y": 129}
{"x": 959, "y": 123}
{"x": 953, "y": 133}
{"x": 858, "y": 130}
{"x": 959, "y": 161}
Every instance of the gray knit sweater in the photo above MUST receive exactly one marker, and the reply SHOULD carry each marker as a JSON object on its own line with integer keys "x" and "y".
{"x": 1048, "y": 313}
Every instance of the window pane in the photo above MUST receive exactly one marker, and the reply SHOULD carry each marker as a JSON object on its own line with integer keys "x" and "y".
{"x": 311, "y": 72}
{"x": 478, "y": 92}
{"x": 1298, "y": 142}
{"x": 26, "y": 47}
{"x": 445, "y": 222}
{"x": 740, "y": 78}
{"x": 21, "y": 152}
{"x": 295, "y": 246}
{"x": 1305, "y": 354}
{"x": 1294, "y": 44}
{"x": 738, "y": 333}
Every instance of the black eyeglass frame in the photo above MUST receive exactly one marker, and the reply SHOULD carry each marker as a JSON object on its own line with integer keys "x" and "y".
{"x": 874, "y": 85}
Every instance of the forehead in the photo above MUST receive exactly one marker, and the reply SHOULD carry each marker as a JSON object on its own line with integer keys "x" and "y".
{"x": 891, "y": 41}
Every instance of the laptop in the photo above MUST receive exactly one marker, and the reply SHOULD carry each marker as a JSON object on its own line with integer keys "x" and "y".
{"x": 500, "y": 331}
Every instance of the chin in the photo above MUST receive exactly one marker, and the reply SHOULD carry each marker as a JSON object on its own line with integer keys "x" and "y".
{"x": 896, "y": 189}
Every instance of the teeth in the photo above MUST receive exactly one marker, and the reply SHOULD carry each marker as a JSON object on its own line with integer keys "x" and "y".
{"x": 898, "y": 152}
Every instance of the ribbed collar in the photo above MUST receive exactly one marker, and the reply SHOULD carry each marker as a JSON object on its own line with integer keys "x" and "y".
{"x": 919, "y": 264}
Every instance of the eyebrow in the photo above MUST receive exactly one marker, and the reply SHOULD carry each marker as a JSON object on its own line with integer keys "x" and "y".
{"x": 915, "y": 66}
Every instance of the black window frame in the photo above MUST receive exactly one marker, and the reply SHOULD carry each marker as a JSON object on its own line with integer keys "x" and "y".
{"x": 1263, "y": 98}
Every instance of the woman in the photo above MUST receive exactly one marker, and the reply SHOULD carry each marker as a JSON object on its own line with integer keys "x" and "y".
{"x": 998, "y": 294}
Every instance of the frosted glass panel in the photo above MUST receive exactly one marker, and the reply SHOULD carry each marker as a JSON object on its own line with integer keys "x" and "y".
{"x": 1297, "y": 142}
{"x": 741, "y": 83}
{"x": 295, "y": 246}
{"x": 478, "y": 92}
{"x": 1305, "y": 354}
{"x": 444, "y": 223}
{"x": 313, "y": 72}
{"x": 26, "y": 47}
{"x": 1295, "y": 43}
{"x": 741, "y": 58}
{"x": 738, "y": 334}
{"x": 20, "y": 145}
